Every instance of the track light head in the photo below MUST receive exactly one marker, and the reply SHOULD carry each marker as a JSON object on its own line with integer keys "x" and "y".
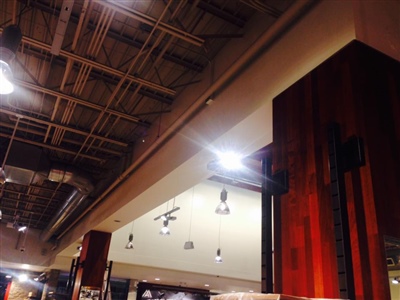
{"x": 218, "y": 258}
{"x": 222, "y": 208}
{"x": 165, "y": 230}
{"x": 129, "y": 245}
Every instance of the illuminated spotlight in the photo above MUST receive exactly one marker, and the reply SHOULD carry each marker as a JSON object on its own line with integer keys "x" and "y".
{"x": 23, "y": 277}
{"x": 230, "y": 160}
{"x": 395, "y": 280}
{"x": 22, "y": 228}
{"x": 165, "y": 230}
{"x": 6, "y": 87}
{"x": 223, "y": 208}
{"x": 218, "y": 258}
{"x": 10, "y": 40}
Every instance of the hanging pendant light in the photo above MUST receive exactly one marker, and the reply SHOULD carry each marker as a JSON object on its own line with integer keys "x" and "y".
{"x": 189, "y": 244}
{"x": 165, "y": 230}
{"x": 129, "y": 245}
{"x": 218, "y": 258}
{"x": 222, "y": 208}
{"x": 166, "y": 217}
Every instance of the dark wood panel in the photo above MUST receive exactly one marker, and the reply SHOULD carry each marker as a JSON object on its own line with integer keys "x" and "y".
{"x": 93, "y": 260}
{"x": 358, "y": 88}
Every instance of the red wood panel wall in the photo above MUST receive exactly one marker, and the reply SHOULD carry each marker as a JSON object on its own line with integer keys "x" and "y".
{"x": 358, "y": 88}
{"x": 93, "y": 261}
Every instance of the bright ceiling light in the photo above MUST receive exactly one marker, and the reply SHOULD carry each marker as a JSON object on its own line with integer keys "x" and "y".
{"x": 10, "y": 40}
{"x": 222, "y": 208}
{"x": 6, "y": 87}
{"x": 395, "y": 280}
{"x": 23, "y": 277}
{"x": 22, "y": 228}
{"x": 230, "y": 160}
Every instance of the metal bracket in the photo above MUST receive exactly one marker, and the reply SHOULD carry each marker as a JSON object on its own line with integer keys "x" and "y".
{"x": 279, "y": 183}
{"x": 353, "y": 155}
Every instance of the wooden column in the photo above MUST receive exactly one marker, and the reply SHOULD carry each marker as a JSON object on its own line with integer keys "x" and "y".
{"x": 93, "y": 261}
{"x": 358, "y": 89}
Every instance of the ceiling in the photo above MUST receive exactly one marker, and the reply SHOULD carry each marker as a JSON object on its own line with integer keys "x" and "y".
{"x": 91, "y": 100}
{"x": 92, "y": 79}
{"x": 96, "y": 84}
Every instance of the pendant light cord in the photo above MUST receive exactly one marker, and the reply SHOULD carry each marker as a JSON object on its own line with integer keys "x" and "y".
{"x": 219, "y": 232}
{"x": 191, "y": 214}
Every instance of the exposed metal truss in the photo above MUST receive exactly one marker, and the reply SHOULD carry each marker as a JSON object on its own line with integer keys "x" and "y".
{"x": 85, "y": 97}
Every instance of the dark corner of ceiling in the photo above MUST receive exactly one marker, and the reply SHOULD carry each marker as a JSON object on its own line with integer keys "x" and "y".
{"x": 62, "y": 191}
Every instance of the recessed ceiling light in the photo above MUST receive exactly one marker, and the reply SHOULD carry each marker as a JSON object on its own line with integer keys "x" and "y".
{"x": 144, "y": 280}
{"x": 206, "y": 284}
{"x": 8, "y": 276}
{"x": 250, "y": 291}
{"x": 157, "y": 279}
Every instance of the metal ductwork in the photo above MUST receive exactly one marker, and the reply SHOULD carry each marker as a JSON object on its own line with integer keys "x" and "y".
{"x": 82, "y": 188}
{"x": 28, "y": 165}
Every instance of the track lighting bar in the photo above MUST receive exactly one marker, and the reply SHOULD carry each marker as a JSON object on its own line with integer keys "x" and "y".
{"x": 167, "y": 215}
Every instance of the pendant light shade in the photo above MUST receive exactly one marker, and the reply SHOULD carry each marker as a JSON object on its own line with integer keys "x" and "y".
{"x": 218, "y": 258}
{"x": 222, "y": 208}
{"x": 165, "y": 230}
{"x": 189, "y": 243}
{"x": 129, "y": 245}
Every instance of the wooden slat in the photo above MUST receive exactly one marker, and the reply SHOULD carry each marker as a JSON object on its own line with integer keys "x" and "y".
{"x": 359, "y": 89}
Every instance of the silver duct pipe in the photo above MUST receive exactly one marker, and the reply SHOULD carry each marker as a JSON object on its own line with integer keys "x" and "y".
{"x": 82, "y": 188}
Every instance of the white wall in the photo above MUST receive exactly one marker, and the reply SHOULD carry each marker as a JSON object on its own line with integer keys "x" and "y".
{"x": 37, "y": 254}
{"x": 240, "y": 236}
